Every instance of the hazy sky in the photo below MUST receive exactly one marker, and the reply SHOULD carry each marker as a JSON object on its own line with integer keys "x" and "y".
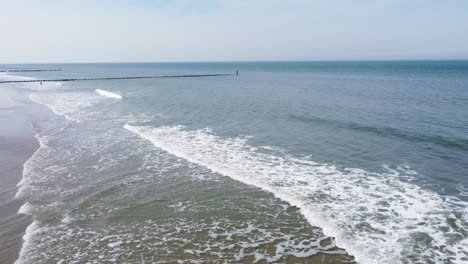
{"x": 219, "y": 30}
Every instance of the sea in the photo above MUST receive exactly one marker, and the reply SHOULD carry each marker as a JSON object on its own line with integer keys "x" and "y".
{"x": 287, "y": 162}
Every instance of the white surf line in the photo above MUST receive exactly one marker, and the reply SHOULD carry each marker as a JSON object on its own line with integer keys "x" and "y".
{"x": 33, "y": 228}
{"x": 26, "y": 209}
{"x": 376, "y": 217}
{"x": 53, "y": 109}
{"x": 108, "y": 94}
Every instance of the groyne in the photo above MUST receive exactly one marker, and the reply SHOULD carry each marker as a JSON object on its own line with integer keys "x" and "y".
{"x": 117, "y": 78}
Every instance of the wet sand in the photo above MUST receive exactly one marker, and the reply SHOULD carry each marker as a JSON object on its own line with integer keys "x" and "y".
{"x": 17, "y": 144}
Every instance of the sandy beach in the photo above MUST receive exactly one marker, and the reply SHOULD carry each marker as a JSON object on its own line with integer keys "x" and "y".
{"x": 17, "y": 144}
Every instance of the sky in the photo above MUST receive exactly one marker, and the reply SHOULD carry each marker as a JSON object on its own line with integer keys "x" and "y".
{"x": 63, "y": 31}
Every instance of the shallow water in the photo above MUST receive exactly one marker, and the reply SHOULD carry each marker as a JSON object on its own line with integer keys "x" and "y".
{"x": 287, "y": 162}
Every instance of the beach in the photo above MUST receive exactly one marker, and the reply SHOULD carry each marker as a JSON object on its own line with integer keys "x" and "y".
{"x": 17, "y": 144}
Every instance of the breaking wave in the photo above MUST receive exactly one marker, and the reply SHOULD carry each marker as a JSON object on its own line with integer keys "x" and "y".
{"x": 377, "y": 217}
{"x": 108, "y": 94}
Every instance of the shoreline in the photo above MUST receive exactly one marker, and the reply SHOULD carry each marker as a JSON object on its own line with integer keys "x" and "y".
{"x": 17, "y": 145}
{"x": 92, "y": 175}
{"x": 31, "y": 226}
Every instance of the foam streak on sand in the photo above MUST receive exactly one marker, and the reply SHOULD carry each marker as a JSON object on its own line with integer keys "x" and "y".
{"x": 71, "y": 105}
{"x": 26, "y": 208}
{"x": 108, "y": 94}
{"x": 31, "y": 230}
{"x": 377, "y": 217}
{"x": 28, "y": 168}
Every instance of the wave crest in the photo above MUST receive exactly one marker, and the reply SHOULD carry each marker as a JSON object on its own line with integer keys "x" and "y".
{"x": 108, "y": 94}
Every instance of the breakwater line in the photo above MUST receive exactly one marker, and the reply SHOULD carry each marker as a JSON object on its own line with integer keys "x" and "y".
{"x": 117, "y": 78}
{"x": 29, "y": 70}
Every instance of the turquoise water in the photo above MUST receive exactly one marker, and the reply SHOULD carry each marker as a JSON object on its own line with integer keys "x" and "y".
{"x": 289, "y": 161}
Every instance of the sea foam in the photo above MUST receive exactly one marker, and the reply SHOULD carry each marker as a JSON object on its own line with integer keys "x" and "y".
{"x": 376, "y": 217}
{"x": 28, "y": 236}
{"x": 108, "y": 94}
{"x": 67, "y": 104}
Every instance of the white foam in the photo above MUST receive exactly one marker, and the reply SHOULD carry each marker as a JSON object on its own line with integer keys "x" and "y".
{"x": 463, "y": 190}
{"x": 67, "y": 104}
{"x": 108, "y": 94}
{"x": 28, "y": 166}
{"x": 67, "y": 219}
{"x": 376, "y": 217}
{"x": 115, "y": 244}
{"x": 25, "y": 209}
{"x": 142, "y": 240}
{"x": 31, "y": 230}
{"x": 35, "y": 98}
{"x": 60, "y": 104}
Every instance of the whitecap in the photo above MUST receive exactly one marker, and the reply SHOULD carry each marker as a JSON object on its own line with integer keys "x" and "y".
{"x": 108, "y": 94}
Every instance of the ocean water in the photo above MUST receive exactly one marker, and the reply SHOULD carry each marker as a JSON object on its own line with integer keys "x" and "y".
{"x": 292, "y": 162}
